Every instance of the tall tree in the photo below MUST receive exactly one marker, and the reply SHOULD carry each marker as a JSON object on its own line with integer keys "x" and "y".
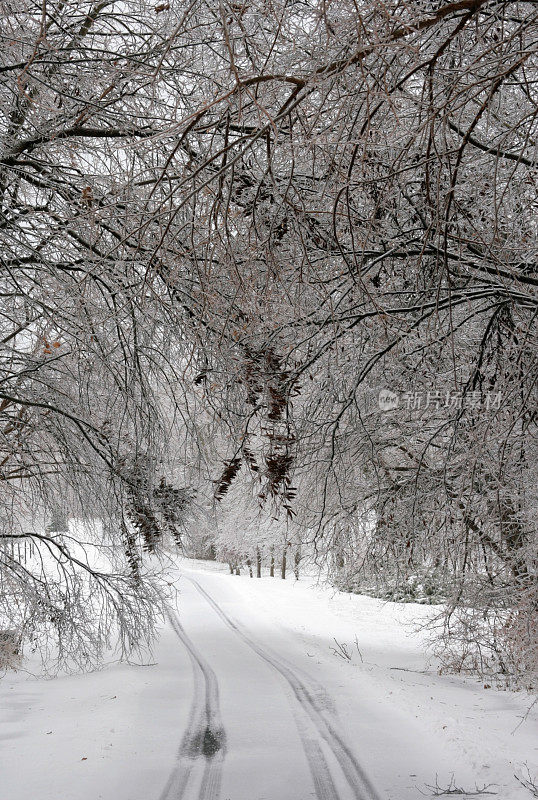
{"x": 301, "y": 204}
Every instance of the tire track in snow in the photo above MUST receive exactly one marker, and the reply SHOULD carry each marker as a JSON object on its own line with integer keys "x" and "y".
{"x": 204, "y": 737}
{"x": 319, "y": 769}
{"x": 356, "y": 777}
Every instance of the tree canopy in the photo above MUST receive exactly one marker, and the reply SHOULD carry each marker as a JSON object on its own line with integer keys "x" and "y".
{"x": 310, "y": 224}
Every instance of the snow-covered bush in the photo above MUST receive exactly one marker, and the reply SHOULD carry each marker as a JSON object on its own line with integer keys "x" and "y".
{"x": 10, "y": 654}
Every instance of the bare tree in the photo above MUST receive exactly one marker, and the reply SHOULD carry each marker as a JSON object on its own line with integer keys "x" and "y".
{"x": 87, "y": 339}
{"x": 281, "y": 209}
{"x": 359, "y": 198}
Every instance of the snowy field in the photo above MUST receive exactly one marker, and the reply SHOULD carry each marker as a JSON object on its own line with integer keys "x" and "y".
{"x": 247, "y": 700}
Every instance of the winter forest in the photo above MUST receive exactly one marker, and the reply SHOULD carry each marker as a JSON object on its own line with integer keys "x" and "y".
{"x": 268, "y": 300}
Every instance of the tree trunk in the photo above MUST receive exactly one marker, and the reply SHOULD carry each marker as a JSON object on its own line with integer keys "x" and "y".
{"x": 272, "y": 564}
{"x": 249, "y": 565}
{"x": 283, "y": 566}
{"x": 258, "y": 563}
{"x": 296, "y": 562}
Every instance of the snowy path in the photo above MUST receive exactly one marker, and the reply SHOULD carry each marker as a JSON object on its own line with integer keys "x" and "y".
{"x": 203, "y": 745}
{"x": 247, "y": 701}
{"x": 317, "y": 728}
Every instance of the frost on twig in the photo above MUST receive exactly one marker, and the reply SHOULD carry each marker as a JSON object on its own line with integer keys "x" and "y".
{"x": 453, "y": 790}
{"x": 529, "y": 781}
{"x": 341, "y": 650}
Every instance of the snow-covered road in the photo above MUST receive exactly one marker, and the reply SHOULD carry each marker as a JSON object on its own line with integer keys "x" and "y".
{"x": 309, "y": 756}
{"x": 247, "y": 701}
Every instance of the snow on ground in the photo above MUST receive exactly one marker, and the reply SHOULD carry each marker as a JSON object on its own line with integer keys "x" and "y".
{"x": 247, "y": 701}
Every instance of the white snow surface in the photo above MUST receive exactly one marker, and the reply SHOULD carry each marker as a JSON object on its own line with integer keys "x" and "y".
{"x": 246, "y": 700}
